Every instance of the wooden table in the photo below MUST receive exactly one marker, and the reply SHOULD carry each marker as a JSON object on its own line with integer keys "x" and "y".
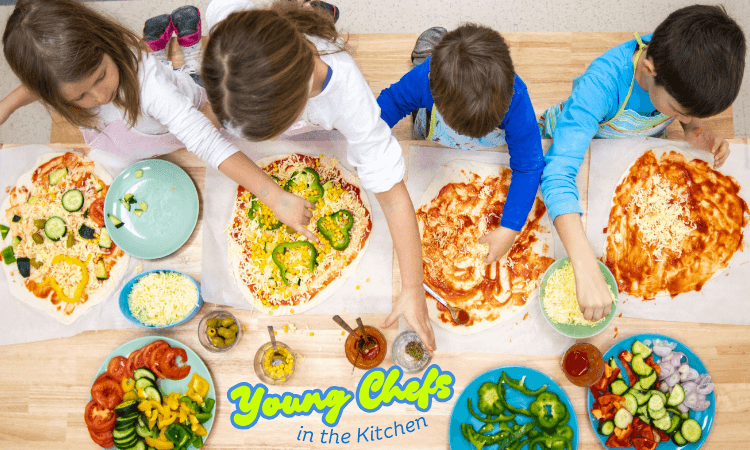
{"x": 45, "y": 385}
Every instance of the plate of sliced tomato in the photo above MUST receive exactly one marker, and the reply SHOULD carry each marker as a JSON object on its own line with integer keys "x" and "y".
{"x": 171, "y": 361}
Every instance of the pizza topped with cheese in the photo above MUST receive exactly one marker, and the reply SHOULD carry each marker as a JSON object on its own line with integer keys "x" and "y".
{"x": 673, "y": 224}
{"x": 277, "y": 269}
{"x": 464, "y": 202}
{"x": 57, "y": 252}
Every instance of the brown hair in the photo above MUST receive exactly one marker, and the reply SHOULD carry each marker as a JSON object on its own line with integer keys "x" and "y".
{"x": 471, "y": 79}
{"x": 48, "y": 42}
{"x": 699, "y": 56}
{"x": 257, "y": 65}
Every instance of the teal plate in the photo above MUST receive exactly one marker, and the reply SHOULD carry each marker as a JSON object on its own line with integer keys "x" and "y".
{"x": 172, "y": 209}
{"x": 168, "y": 386}
{"x": 579, "y": 331}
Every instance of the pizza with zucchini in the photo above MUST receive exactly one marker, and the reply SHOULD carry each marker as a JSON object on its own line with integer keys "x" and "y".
{"x": 56, "y": 251}
{"x": 277, "y": 269}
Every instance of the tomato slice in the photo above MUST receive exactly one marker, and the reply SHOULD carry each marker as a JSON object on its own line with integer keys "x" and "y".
{"x": 155, "y": 356}
{"x": 106, "y": 392}
{"x": 99, "y": 419}
{"x": 117, "y": 368}
{"x": 96, "y": 211}
{"x": 168, "y": 364}
{"x": 102, "y": 439}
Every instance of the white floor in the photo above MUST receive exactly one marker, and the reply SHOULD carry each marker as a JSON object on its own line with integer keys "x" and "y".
{"x": 32, "y": 125}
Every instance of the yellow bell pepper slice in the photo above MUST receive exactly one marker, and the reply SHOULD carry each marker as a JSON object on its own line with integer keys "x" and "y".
{"x": 130, "y": 395}
{"x": 158, "y": 444}
{"x": 194, "y": 396}
{"x": 81, "y": 285}
{"x": 173, "y": 401}
{"x": 152, "y": 420}
{"x": 199, "y": 385}
{"x": 148, "y": 405}
{"x": 167, "y": 418}
{"x": 128, "y": 384}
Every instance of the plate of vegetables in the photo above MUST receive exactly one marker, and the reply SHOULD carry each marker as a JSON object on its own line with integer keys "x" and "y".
{"x": 151, "y": 392}
{"x": 655, "y": 392}
{"x": 513, "y": 407}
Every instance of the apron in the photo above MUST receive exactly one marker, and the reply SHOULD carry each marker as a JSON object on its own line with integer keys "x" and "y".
{"x": 626, "y": 123}
{"x": 438, "y": 131}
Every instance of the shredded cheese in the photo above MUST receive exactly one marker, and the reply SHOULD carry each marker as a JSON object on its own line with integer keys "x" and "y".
{"x": 162, "y": 298}
{"x": 560, "y": 301}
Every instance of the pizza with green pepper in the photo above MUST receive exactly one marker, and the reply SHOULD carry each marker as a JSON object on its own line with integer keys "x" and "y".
{"x": 277, "y": 269}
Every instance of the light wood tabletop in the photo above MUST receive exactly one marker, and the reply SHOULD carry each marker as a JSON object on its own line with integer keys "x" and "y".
{"x": 45, "y": 385}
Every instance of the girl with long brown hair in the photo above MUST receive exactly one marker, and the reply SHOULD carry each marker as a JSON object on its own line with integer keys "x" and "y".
{"x": 283, "y": 70}
{"x": 98, "y": 76}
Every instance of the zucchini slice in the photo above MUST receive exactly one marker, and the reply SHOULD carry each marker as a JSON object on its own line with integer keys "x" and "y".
{"x": 55, "y": 228}
{"x": 86, "y": 232}
{"x": 126, "y": 204}
{"x": 72, "y": 200}
{"x": 24, "y": 266}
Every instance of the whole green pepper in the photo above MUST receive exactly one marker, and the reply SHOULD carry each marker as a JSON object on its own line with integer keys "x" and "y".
{"x": 343, "y": 221}
{"x": 547, "y": 410}
{"x": 311, "y": 180}
{"x": 282, "y": 248}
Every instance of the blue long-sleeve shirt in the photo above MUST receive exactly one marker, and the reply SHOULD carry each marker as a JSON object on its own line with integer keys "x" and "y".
{"x": 412, "y": 92}
{"x": 596, "y": 98}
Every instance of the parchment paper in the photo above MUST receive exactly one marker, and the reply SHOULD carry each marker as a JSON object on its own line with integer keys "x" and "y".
{"x": 23, "y": 323}
{"x": 523, "y": 334}
{"x": 723, "y": 299}
{"x": 219, "y": 285}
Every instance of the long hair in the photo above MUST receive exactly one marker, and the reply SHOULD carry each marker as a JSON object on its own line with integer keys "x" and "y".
{"x": 49, "y": 42}
{"x": 257, "y": 66}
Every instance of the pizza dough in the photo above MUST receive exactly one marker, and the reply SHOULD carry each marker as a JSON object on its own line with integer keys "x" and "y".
{"x": 258, "y": 277}
{"x": 32, "y": 290}
{"x": 674, "y": 224}
{"x": 463, "y": 202}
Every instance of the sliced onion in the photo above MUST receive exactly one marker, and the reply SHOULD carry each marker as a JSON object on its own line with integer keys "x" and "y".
{"x": 702, "y": 406}
{"x": 664, "y": 387}
{"x": 705, "y": 389}
{"x": 662, "y": 350}
{"x": 688, "y": 387}
{"x": 673, "y": 379}
{"x": 667, "y": 369}
{"x": 683, "y": 408}
{"x": 705, "y": 379}
{"x": 691, "y": 401}
{"x": 647, "y": 342}
{"x": 692, "y": 375}
{"x": 676, "y": 359}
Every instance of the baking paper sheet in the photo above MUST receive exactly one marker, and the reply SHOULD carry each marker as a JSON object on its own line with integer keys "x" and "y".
{"x": 23, "y": 323}
{"x": 723, "y": 299}
{"x": 356, "y": 295}
{"x": 527, "y": 333}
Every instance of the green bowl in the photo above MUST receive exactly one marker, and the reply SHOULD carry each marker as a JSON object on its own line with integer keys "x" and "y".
{"x": 578, "y": 331}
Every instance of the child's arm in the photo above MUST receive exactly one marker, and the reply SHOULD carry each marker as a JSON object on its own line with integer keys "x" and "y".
{"x": 411, "y": 92}
{"x": 18, "y": 98}
{"x": 411, "y": 303}
{"x": 704, "y": 138}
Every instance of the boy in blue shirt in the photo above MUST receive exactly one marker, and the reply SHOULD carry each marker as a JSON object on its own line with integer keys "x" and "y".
{"x": 469, "y": 96}
{"x": 690, "y": 68}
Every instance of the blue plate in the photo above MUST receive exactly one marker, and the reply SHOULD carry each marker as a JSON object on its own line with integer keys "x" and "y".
{"x": 168, "y": 386}
{"x": 125, "y": 292}
{"x": 534, "y": 380}
{"x": 704, "y": 418}
{"x": 170, "y": 217}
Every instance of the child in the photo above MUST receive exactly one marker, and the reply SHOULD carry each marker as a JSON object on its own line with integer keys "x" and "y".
{"x": 281, "y": 70}
{"x": 469, "y": 85}
{"x": 690, "y": 68}
{"x": 98, "y": 76}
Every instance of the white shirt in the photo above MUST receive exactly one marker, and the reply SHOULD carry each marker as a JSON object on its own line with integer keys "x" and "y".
{"x": 346, "y": 104}
{"x": 169, "y": 104}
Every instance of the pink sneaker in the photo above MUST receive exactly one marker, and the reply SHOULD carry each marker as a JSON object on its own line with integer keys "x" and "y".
{"x": 187, "y": 24}
{"x": 157, "y": 31}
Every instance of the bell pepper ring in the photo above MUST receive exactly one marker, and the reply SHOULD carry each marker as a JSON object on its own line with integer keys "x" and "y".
{"x": 341, "y": 221}
{"x": 81, "y": 285}
{"x": 255, "y": 213}
{"x": 282, "y": 248}
{"x": 311, "y": 179}
{"x": 547, "y": 410}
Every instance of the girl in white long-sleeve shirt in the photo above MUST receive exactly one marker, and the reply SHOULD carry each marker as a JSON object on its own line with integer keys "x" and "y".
{"x": 283, "y": 70}
{"x": 98, "y": 75}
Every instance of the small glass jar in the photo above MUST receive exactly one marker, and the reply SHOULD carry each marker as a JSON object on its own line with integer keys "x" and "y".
{"x": 274, "y": 365}
{"x": 366, "y": 354}
{"x": 210, "y": 331}
{"x": 583, "y": 364}
{"x": 409, "y": 353}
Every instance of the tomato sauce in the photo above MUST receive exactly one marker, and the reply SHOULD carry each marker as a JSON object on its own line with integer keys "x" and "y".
{"x": 583, "y": 364}
{"x": 366, "y": 354}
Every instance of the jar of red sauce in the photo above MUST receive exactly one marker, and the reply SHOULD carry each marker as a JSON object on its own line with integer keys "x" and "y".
{"x": 366, "y": 354}
{"x": 583, "y": 364}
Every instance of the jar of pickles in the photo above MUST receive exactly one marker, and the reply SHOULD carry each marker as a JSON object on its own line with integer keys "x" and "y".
{"x": 219, "y": 331}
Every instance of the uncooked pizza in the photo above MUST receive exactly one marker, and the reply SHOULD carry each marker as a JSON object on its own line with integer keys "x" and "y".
{"x": 462, "y": 203}
{"x": 57, "y": 251}
{"x": 674, "y": 224}
{"x": 277, "y": 269}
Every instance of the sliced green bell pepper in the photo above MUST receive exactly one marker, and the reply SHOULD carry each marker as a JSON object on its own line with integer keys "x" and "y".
{"x": 177, "y": 434}
{"x": 518, "y": 385}
{"x": 208, "y": 405}
{"x": 3, "y": 231}
{"x": 311, "y": 180}
{"x": 282, "y": 248}
{"x": 254, "y": 213}
{"x": 343, "y": 221}
{"x": 547, "y": 410}
{"x": 500, "y": 418}
{"x": 9, "y": 256}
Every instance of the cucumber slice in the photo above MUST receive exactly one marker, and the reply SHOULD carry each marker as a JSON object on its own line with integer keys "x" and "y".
{"x": 152, "y": 394}
{"x": 640, "y": 367}
{"x": 639, "y": 348}
{"x": 618, "y": 387}
{"x": 623, "y": 418}
{"x": 55, "y": 228}
{"x": 143, "y": 206}
{"x": 677, "y": 395}
{"x": 15, "y": 241}
{"x": 645, "y": 419}
{"x": 16, "y": 218}
{"x": 675, "y": 424}
{"x": 86, "y": 232}
{"x": 630, "y": 403}
{"x": 4, "y": 231}
{"x": 97, "y": 185}
{"x": 115, "y": 221}
{"x": 657, "y": 413}
{"x": 126, "y": 407}
{"x": 129, "y": 198}
{"x": 138, "y": 173}
{"x": 691, "y": 430}
{"x": 648, "y": 381}
{"x": 101, "y": 270}
{"x": 32, "y": 200}
{"x": 126, "y": 420}
{"x": 144, "y": 373}
{"x": 143, "y": 383}
{"x": 606, "y": 427}
{"x": 663, "y": 423}
{"x": 57, "y": 175}
{"x": 125, "y": 203}
{"x": 104, "y": 240}
{"x": 656, "y": 393}
{"x": 72, "y": 200}
{"x": 655, "y": 403}
{"x": 24, "y": 266}
{"x": 679, "y": 439}
{"x": 138, "y": 212}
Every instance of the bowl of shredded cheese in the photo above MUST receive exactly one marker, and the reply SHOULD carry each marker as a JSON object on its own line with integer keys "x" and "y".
{"x": 160, "y": 298}
{"x": 557, "y": 296}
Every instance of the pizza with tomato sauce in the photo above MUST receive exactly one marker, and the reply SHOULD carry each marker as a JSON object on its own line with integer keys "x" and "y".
{"x": 57, "y": 252}
{"x": 277, "y": 269}
{"x": 462, "y": 203}
{"x": 674, "y": 224}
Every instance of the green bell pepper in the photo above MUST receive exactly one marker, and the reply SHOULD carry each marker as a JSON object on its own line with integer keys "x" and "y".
{"x": 547, "y": 442}
{"x": 9, "y": 256}
{"x": 489, "y": 400}
{"x": 518, "y": 385}
{"x": 310, "y": 178}
{"x": 547, "y": 410}
{"x": 282, "y": 248}
{"x": 505, "y": 404}
{"x": 3, "y": 231}
{"x": 208, "y": 405}
{"x": 203, "y": 417}
{"x": 343, "y": 221}
{"x": 177, "y": 434}
{"x": 500, "y": 418}
{"x": 197, "y": 442}
{"x": 254, "y": 213}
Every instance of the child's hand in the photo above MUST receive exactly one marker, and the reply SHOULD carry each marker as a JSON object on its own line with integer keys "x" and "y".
{"x": 295, "y": 212}
{"x": 593, "y": 294}
{"x": 5, "y": 112}
{"x": 704, "y": 138}
{"x": 412, "y": 304}
{"x": 500, "y": 240}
